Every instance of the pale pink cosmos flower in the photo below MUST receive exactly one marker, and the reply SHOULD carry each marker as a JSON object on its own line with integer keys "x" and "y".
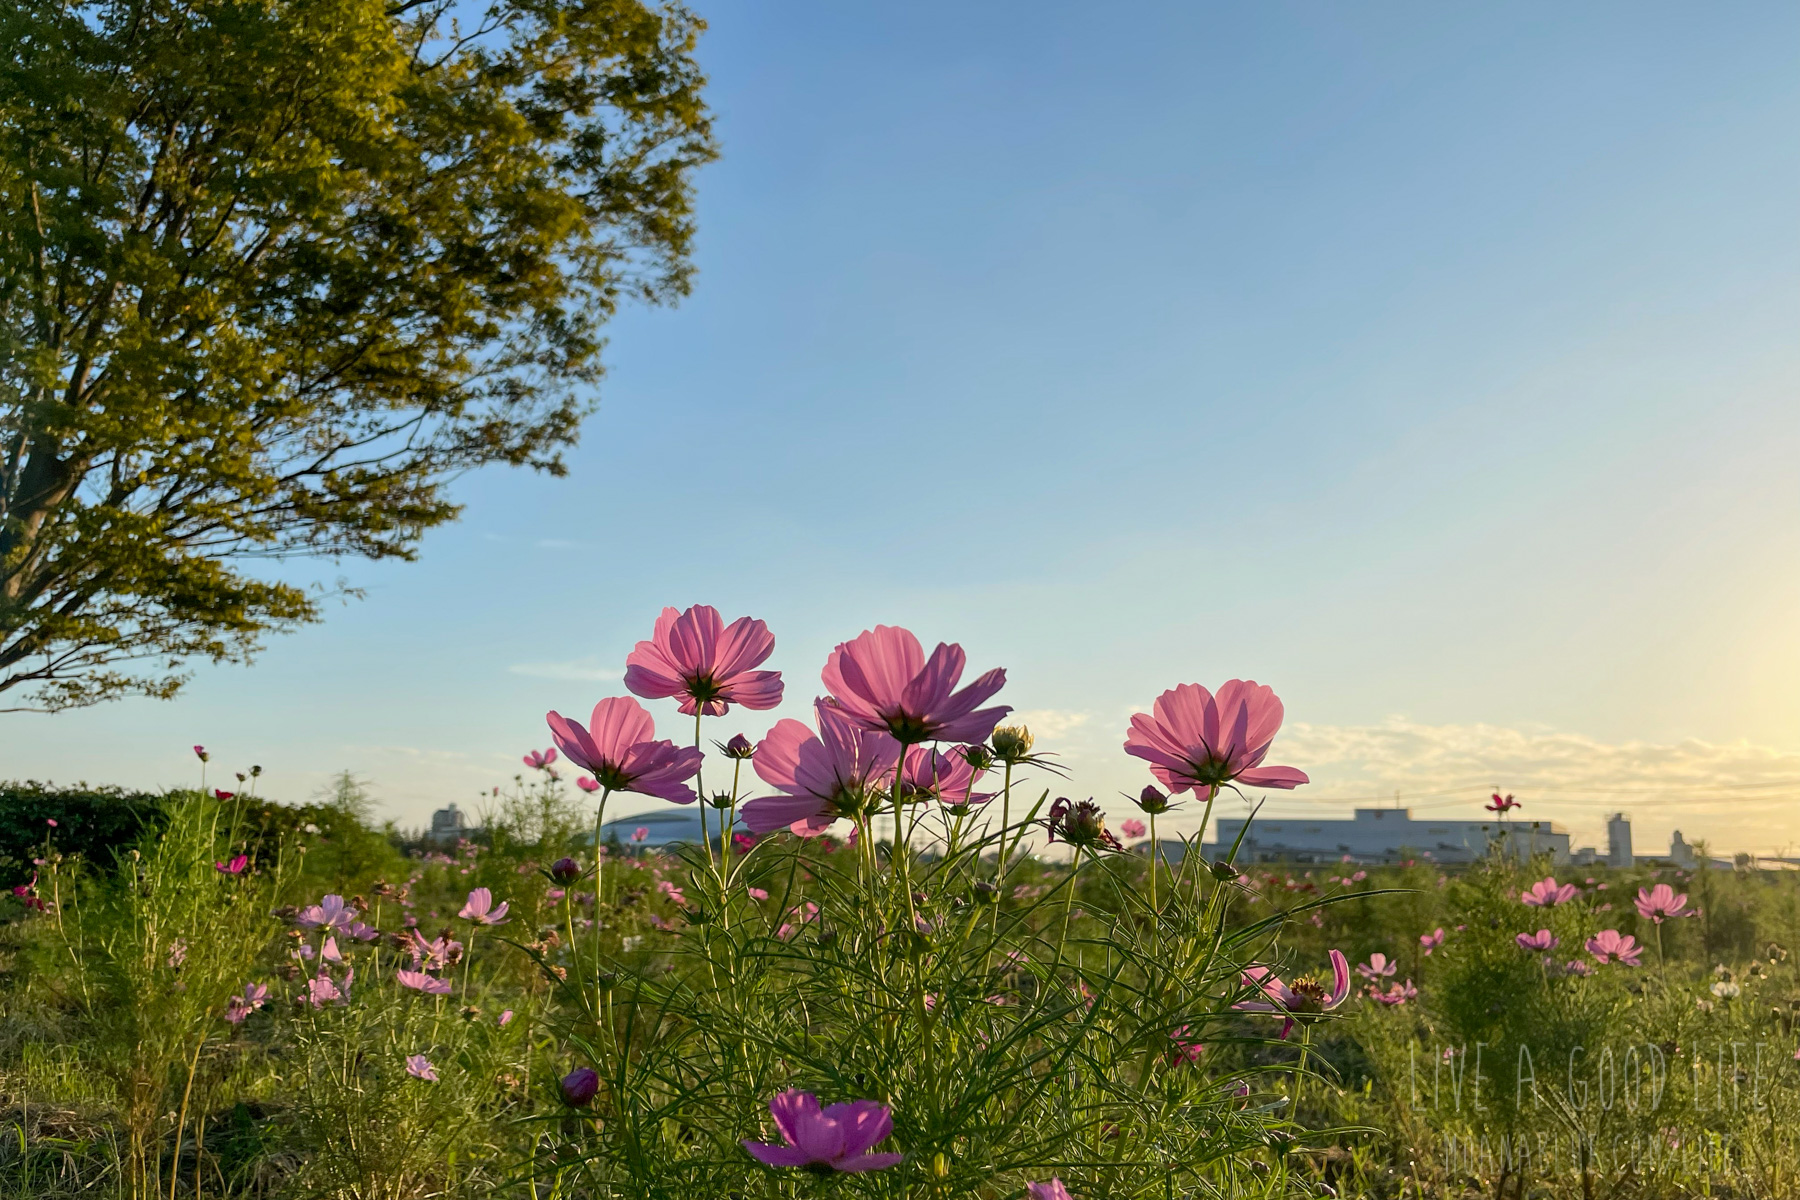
{"x": 619, "y": 747}
{"x": 639, "y": 834}
{"x": 1545, "y": 893}
{"x": 1576, "y": 966}
{"x": 329, "y": 913}
{"x": 709, "y": 664}
{"x": 820, "y": 777}
{"x": 254, "y": 996}
{"x": 1660, "y": 902}
{"x": 320, "y": 990}
{"x": 1379, "y": 966}
{"x": 329, "y": 952}
{"x": 1196, "y": 741}
{"x": 882, "y": 680}
{"x": 1054, "y": 1190}
{"x": 505, "y": 1018}
{"x": 1303, "y": 998}
{"x": 1540, "y": 942}
{"x": 838, "y": 1138}
{"x": 540, "y": 760}
{"x": 480, "y": 908}
{"x": 419, "y": 981}
{"x": 419, "y": 1067}
{"x": 1131, "y": 827}
{"x": 757, "y": 893}
{"x": 1609, "y": 945}
{"x": 1431, "y": 941}
{"x": 1396, "y": 995}
{"x": 433, "y": 955}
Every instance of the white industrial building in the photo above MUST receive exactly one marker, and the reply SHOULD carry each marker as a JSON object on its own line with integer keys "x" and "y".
{"x": 1384, "y": 835}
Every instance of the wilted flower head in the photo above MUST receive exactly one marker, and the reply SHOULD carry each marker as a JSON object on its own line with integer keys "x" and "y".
{"x": 1197, "y": 741}
{"x": 838, "y": 1138}
{"x": 1660, "y": 903}
{"x": 1545, "y": 893}
{"x": 419, "y": 1067}
{"x": 1080, "y": 823}
{"x": 480, "y": 908}
{"x": 882, "y": 680}
{"x": 619, "y": 747}
{"x": 579, "y": 1087}
{"x": 1610, "y": 945}
{"x": 709, "y": 664}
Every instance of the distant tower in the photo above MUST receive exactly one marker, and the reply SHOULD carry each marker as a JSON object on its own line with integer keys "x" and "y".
{"x": 1680, "y": 853}
{"x": 1618, "y": 841}
{"x": 447, "y": 825}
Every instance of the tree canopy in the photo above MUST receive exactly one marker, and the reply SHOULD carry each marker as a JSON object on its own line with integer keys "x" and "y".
{"x": 272, "y": 272}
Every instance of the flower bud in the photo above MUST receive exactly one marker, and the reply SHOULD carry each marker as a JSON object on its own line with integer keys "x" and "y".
{"x": 738, "y": 747}
{"x": 1152, "y": 800}
{"x": 979, "y": 757}
{"x": 606, "y": 980}
{"x": 579, "y": 1087}
{"x": 720, "y": 800}
{"x": 565, "y": 870}
{"x": 1012, "y": 743}
{"x": 1224, "y": 872}
{"x": 986, "y": 893}
{"x": 940, "y": 1165}
{"x": 255, "y": 771}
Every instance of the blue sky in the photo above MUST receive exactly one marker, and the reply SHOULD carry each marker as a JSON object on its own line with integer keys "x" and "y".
{"x": 1434, "y": 365}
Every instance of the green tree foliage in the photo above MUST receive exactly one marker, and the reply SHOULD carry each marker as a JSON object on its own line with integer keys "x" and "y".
{"x": 273, "y": 271}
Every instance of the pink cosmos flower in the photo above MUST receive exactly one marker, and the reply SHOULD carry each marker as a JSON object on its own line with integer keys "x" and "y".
{"x": 756, "y": 893}
{"x": 1576, "y": 966}
{"x": 1660, "y": 902}
{"x": 433, "y": 955}
{"x": 1540, "y": 942}
{"x": 618, "y": 746}
{"x": 1501, "y": 804}
{"x": 235, "y": 867}
{"x": 540, "y": 759}
{"x": 1431, "y": 941}
{"x": 1131, "y": 827}
{"x": 419, "y": 1067}
{"x": 1396, "y": 995}
{"x": 320, "y": 990}
{"x": 329, "y": 913}
{"x": 419, "y": 981}
{"x": 1379, "y": 966}
{"x": 254, "y": 996}
{"x": 1054, "y": 1190}
{"x": 709, "y": 664}
{"x": 640, "y": 833}
{"x": 478, "y": 907}
{"x": 505, "y": 1019}
{"x": 201, "y": 754}
{"x": 947, "y": 777}
{"x": 50, "y": 821}
{"x": 1546, "y": 894}
{"x": 329, "y": 952}
{"x": 838, "y": 1138}
{"x": 882, "y": 680}
{"x": 587, "y": 783}
{"x": 1609, "y": 945}
{"x": 1185, "y": 1051}
{"x": 1195, "y": 741}
{"x": 822, "y": 776}
{"x": 1303, "y": 998}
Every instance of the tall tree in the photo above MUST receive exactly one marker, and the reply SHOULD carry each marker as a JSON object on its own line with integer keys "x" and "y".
{"x": 273, "y": 271}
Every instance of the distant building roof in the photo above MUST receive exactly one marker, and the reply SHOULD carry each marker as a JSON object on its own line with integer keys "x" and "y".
{"x": 1378, "y": 834}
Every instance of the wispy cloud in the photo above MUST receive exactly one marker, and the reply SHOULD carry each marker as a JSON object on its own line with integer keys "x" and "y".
{"x": 579, "y": 669}
{"x": 1048, "y": 722}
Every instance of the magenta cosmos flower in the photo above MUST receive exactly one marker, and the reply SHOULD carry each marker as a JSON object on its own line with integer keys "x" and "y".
{"x": 1546, "y": 894}
{"x": 821, "y": 777}
{"x": 949, "y": 778}
{"x": 1302, "y": 998}
{"x": 1541, "y": 941}
{"x": 1054, "y": 1190}
{"x": 619, "y": 747}
{"x": 1609, "y": 945}
{"x": 480, "y": 908}
{"x": 1660, "y": 903}
{"x": 838, "y": 1138}
{"x": 1196, "y": 741}
{"x": 883, "y": 681}
{"x": 709, "y": 664}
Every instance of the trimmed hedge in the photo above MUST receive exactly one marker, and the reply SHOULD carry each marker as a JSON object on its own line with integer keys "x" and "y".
{"x": 96, "y": 823}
